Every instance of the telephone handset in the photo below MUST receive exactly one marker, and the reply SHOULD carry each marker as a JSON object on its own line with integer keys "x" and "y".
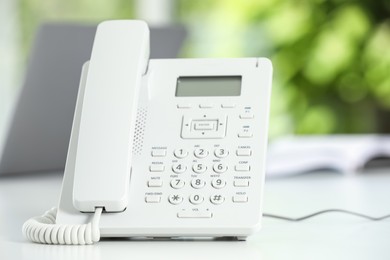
{"x": 161, "y": 148}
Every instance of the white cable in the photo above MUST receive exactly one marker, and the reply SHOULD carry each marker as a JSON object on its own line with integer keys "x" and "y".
{"x": 44, "y": 230}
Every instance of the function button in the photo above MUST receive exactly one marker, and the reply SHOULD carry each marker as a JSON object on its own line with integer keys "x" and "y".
{"x": 245, "y": 134}
{"x": 248, "y": 115}
{"x": 179, "y": 168}
{"x": 199, "y": 168}
{"x": 218, "y": 183}
{"x": 180, "y": 153}
{"x": 242, "y": 168}
{"x": 155, "y": 183}
{"x": 240, "y": 198}
{"x": 196, "y": 199}
{"x": 175, "y": 199}
{"x": 241, "y": 183}
{"x": 194, "y": 214}
{"x": 206, "y": 105}
{"x": 198, "y": 183}
{"x": 157, "y": 168}
{"x": 228, "y": 105}
{"x": 244, "y": 152}
{"x": 200, "y": 153}
{"x": 205, "y": 125}
{"x": 221, "y": 152}
{"x": 159, "y": 153}
{"x": 217, "y": 199}
{"x": 177, "y": 183}
{"x": 184, "y": 105}
{"x": 152, "y": 199}
{"x": 220, "y": 167}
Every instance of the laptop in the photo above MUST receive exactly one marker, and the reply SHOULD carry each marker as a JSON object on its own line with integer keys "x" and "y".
{"x": 38, "y": 135}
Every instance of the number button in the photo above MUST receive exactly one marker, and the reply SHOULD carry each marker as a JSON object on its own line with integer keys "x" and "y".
{"x": 219, "y": 167}
{"x": 199, "y": 168}
{"x": 218, "y": 183}
{"x": 180, "y": 153}
{"x": 177, "y": 183}
{"x": 179, "y": 168}
{"x": 221, "y": 152}
{"x": 217, "y": 199}
{"x": 200, "y": 153}
{"x": 196, "y": 199}
{"x": 175, "y": 199}
{"x": 197, "y": 183}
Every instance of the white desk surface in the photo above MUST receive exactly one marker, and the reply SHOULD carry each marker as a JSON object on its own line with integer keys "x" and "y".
{"x": 330, "y": 236}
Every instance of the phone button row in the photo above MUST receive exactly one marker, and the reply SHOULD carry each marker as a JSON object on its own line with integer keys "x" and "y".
{"x": 198, "y": 183}
{"x": 198, "y": 168}
{"x": 198, "y": 152}
{"x": 196, "y": 199}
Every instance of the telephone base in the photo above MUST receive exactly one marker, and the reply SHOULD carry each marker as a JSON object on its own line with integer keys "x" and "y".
{"x": 224, "y": 238}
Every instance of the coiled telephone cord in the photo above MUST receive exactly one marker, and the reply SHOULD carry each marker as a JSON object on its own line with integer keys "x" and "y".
{"x": 44, "y": 230}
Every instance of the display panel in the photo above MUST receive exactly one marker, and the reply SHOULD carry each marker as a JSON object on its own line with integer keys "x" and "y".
{"x": 208, "y": 86}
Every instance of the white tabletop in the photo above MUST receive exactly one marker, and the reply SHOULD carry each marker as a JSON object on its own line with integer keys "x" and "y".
{"x": 330, "y": 236}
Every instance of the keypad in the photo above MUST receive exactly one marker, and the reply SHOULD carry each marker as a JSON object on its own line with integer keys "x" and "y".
{"x": 192, "y": 175}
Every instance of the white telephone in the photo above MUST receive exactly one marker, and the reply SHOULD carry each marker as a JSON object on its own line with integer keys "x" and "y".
{"x": 161, "y": 148}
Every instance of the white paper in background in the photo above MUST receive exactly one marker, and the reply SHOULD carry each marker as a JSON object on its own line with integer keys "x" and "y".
{"x": 343, "y": 153}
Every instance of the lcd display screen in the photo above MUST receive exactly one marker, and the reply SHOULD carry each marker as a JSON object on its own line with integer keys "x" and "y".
{"x": 209, "y": 86}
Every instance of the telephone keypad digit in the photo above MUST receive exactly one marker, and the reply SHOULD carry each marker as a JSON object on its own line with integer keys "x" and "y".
{"x": 200, "y": 153}
{"x": 177, "y": 183}
{"x": 199, "y": 168}
{"x": 196, "y": 199}
{"x": 218, "y": 183}
{"x": 180, "y": 153}
{"x": 220, "y": 168}
{"x": 179, "y": 168}
{"x": 198, "y": 183}
{"x": 221, "y": 152}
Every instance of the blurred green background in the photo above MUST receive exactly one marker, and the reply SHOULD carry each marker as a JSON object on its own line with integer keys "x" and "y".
{"x": 331, "y": 58}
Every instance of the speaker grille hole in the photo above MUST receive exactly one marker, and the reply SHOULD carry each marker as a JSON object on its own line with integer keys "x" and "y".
{"x": 139, "y": 130}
